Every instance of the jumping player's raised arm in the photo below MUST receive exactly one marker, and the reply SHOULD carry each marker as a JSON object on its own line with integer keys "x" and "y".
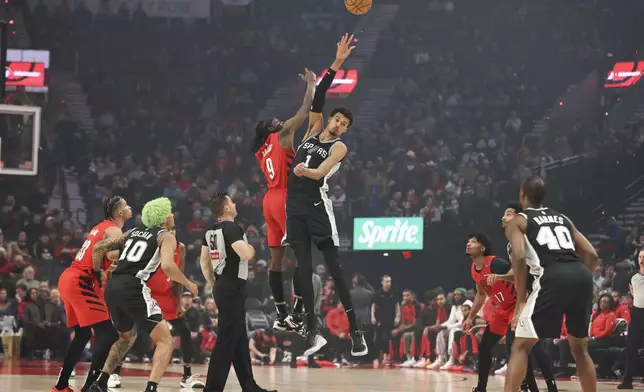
{"x": 337, "y": 153}
{"x": 316, "y": 121}
{"x": 287, "y": 132}
{"x": 515, "y": 233}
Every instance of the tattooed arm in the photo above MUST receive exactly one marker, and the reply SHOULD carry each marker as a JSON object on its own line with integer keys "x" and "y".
{"x": 100, "y": 250}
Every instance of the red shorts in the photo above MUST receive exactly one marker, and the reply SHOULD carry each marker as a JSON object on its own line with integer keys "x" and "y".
{"x": 275, "y": 216}
{"x": 168, "y": 304}
{"x": 84, "y": 300}
{"x": 500, "y": 321}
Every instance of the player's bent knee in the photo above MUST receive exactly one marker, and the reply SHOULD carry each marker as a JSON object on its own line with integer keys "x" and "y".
{"x": 325, "y": 244}
{"x": 578, "y": 346}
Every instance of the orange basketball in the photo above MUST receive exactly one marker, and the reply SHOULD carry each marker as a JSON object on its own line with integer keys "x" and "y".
{"x": 358, "y": 7}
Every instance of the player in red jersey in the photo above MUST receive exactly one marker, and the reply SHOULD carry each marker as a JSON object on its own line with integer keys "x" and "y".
{"x": 80, "y": 289}
{"x": 493, "y": 278}
{"x": 167, "y": 294}
{"x": 273, "y": 148}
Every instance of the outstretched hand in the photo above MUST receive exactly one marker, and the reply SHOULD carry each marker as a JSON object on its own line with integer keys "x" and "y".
{"x": 344, "y": 47}
{"x": 308, "y": 76}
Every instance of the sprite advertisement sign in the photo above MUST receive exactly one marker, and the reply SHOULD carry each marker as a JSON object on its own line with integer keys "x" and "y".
{"x": 388, "y": 233}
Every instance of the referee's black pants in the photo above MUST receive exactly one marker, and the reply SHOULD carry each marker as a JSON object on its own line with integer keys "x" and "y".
{"x": 634, "y": 342}
{"x": 232, "y": 339}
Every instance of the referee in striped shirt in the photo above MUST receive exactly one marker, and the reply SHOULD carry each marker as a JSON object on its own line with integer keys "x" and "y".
{"x": 224, "y": 262}
{"x": 635, "y": 338}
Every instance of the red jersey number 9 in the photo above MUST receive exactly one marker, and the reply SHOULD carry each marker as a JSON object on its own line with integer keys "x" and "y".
{"x": 270, "y": 168}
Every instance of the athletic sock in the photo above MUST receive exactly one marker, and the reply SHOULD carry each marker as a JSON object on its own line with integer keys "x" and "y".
{"x": 187, "y": 371}
{"x": 152, "y": 387}
{"x": 102, "y": 379}
{"x": 117, "y": 370}
{"x": 298, "y": 307}
{"x": 277, "y": 288}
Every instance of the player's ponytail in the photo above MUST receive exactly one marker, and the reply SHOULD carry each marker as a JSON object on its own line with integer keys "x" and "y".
{"x": 110, "y": 206}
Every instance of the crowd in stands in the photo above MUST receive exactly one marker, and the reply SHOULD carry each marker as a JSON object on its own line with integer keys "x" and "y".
{"x": 176, "y": 119}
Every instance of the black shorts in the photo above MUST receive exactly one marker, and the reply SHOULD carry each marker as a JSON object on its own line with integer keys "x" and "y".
{"x": 130, "y": 303}
{"x": 562, "y": 289}
{"x": 308, "y": 220}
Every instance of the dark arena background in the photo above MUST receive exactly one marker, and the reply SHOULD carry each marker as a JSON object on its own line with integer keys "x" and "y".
{"x": 455, "y": 103}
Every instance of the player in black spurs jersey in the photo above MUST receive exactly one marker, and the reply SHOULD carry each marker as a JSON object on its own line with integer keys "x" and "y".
{"x": 546, "y": 244}
{"x": 309, "y": 212}
{"x": 142, "y": 251}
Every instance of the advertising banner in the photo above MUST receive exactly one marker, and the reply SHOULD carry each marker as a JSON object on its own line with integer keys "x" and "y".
{"x": 624, "y": 74}
{"x": 344, "y": 83}
{"x": 404, "y": 233}
{"x": 192, "y": 9}
{"x": 25, "y": 74}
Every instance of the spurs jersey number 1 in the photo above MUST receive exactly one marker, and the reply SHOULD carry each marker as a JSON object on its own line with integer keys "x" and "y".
{"x": 312, "y": 152}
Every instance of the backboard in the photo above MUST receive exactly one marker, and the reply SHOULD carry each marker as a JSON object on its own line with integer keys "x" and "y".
{"x": 19, "y": 140}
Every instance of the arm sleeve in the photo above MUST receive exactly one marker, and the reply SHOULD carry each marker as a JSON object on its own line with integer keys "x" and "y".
{"x": 320, "y": 91}
{"x": 499, "y": 266}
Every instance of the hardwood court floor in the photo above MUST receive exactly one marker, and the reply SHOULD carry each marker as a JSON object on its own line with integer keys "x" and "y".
{"x": 41, "y": 376}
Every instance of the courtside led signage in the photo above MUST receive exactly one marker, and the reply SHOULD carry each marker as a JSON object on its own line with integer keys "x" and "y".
{"x": 388, "y": 233}
{"x": 344, "y": 83}
{"x": 624, "y": 74}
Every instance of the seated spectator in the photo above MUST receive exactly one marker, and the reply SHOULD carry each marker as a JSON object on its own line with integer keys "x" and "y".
{"x": 428, "y": 325}
{"x": 623, "y": 310}
{"x": 328, "y": 297}
{"x": 65, "y": 250}
{"x": 409, "y": 312}
{"x": 43, "y": 323}
{"x": 337, "y": 333}
{"x": 210, "y": 309}
{"x": 601, "y": 330}
{"x": 445, "y": 338}
{"x": 263, "y": 347}
{"x": 6, "y": 307}
{"x": 465, "y": 344}
{"x": 28, "y": 278}
{"x": 13, "y": 269}
{"x": 20, "y": 301}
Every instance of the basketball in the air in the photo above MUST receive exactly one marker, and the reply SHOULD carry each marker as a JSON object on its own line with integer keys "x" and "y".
{"x": 358, "y": 7}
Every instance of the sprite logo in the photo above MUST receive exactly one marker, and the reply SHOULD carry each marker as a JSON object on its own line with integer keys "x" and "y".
{"x": 388, "y": 234}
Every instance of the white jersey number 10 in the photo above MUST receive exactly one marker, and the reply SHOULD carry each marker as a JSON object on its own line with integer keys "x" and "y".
{"x": 555, "y": 239}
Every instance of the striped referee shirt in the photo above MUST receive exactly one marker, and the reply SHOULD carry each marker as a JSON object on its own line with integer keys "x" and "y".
{"x": 637, "y": 282}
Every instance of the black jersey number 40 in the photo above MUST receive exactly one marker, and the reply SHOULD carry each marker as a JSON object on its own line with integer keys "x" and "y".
{"x": 133, "y": 251}
{"x": 556, "y": 238}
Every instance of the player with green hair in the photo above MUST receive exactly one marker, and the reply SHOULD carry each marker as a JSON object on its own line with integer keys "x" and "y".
{"x": 157, "y": 212}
